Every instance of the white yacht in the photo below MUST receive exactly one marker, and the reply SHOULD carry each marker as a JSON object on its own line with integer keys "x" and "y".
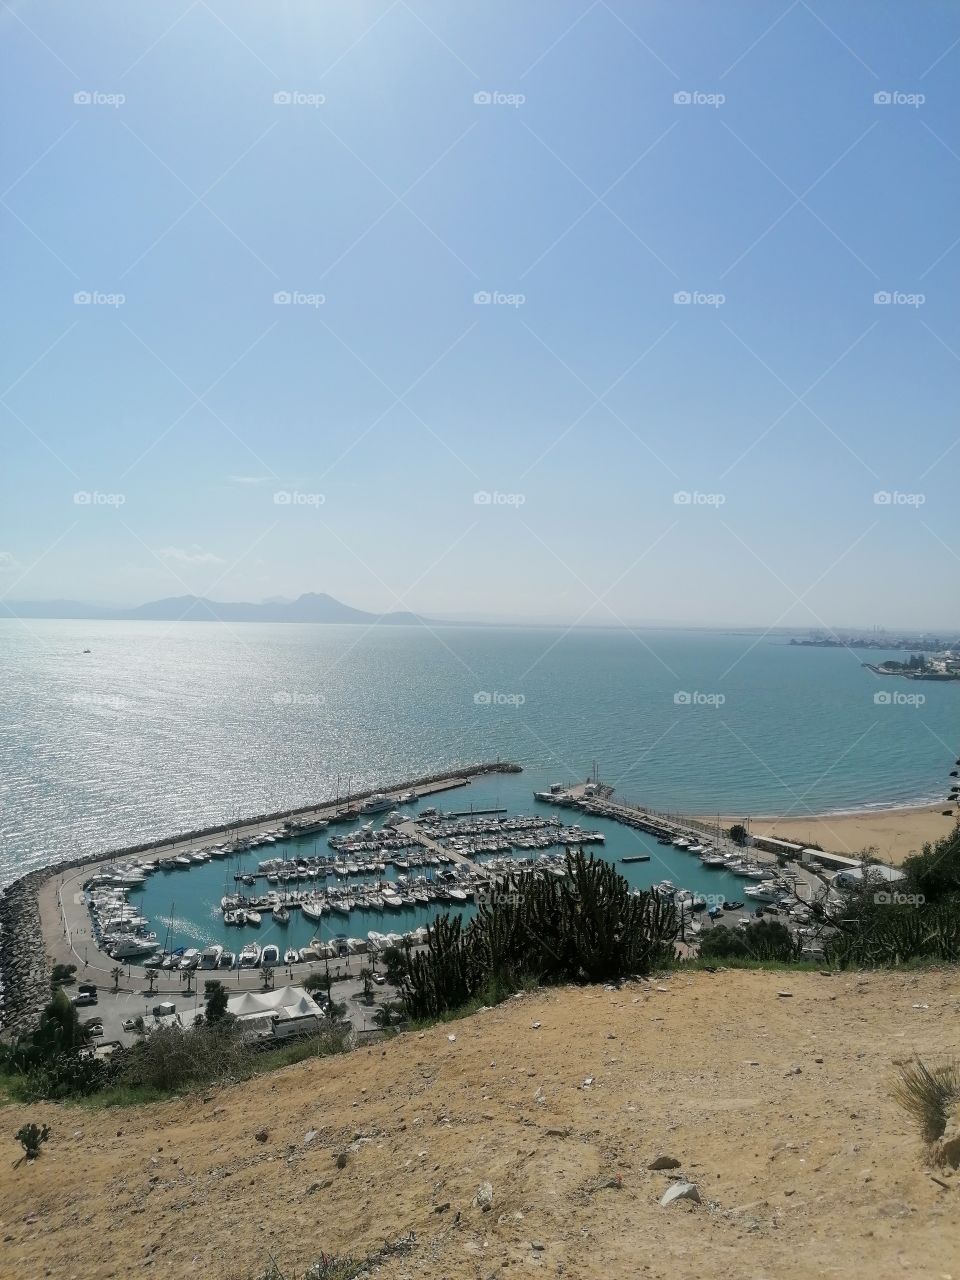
{"x": 764, "y": 892}
{"x": 128, "y": 947}
{"x": 376, "y": 803}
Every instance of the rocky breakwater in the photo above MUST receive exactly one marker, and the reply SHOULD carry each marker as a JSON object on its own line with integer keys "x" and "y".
{"x": 24, "y": 965}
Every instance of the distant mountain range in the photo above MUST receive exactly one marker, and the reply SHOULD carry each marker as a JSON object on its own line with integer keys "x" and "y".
{"x": 312, "y": 607}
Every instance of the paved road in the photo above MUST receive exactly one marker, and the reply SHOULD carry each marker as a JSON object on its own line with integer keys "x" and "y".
{"x": 133, "y": 1000}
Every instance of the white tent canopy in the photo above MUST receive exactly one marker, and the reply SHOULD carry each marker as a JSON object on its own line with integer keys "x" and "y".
{"x": 288, "y": 1002}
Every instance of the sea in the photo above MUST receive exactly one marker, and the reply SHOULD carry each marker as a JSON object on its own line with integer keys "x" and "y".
{"x": 112, "y": 733}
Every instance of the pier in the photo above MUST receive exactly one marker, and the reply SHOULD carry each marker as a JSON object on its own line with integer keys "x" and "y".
{"x": 412, "y": 830}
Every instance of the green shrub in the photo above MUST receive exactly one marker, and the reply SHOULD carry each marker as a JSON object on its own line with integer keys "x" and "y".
{"x": 170, "y": 1058}
{"x": 30, "y": 1137}
{"x": 587, "y": 927}
{"x": 762, "y": 940}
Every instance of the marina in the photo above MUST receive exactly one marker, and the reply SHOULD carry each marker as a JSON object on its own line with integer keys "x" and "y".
{"x": 335, "y": 882}
{"x": 299, "y": 892}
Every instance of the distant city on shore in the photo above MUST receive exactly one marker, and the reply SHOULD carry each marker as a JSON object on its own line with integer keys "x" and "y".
{"x": 924, "y": 642}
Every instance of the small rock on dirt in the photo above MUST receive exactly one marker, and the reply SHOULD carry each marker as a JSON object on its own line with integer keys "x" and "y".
{"x": 664, "y": 1162}
{"x": 680, "y": 1191}
{"x": 484, "y": 1197}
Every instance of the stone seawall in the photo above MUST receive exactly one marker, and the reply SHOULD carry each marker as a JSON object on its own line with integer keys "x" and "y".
{"x": 25, "y": 967}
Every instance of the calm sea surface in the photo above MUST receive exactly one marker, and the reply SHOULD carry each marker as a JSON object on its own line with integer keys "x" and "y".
{"x": 165, "y": 727}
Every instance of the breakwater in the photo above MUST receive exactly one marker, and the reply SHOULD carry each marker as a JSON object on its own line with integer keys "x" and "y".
{"x": 25, "y": 961}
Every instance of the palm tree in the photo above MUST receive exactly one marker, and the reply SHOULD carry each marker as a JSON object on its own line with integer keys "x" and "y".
{"x": 366, "y": 976}
{"x": 268, "y": 978}
{"x": 152, "y": 975}
{"x": 189, "y": 982}
{"x": 116, "y": 973}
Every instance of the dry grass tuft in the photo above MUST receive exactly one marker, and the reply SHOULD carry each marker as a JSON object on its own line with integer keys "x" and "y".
{"x": 927, "y": 1095}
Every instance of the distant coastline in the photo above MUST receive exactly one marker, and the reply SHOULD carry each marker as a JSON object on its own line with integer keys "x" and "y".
{"x": 311, "y": 607}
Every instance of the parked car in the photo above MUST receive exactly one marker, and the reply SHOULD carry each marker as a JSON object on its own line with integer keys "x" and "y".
{"x": 84, "y": 998}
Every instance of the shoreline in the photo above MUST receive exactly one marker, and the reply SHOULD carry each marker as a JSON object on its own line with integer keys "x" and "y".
{"x": 893, "y": 832}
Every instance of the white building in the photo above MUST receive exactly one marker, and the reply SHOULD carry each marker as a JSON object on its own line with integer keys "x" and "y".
{"x": 286, "y": 1011}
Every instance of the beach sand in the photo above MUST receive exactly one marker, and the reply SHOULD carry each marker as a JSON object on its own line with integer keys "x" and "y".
{"x": 893, "y": 833}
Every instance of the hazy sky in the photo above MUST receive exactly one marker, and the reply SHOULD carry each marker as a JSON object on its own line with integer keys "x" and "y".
{"x": 581, "y": 164}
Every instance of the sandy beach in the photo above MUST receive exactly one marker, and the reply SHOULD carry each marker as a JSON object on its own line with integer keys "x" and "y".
{"x": 892, "y": 833}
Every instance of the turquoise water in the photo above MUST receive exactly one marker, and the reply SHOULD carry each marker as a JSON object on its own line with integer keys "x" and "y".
{"x": 166, "y": 727}
{"x": 183, "y": 906}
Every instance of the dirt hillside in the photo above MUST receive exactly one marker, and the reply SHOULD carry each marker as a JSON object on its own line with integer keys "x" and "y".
{"x": 777, "y": 1107}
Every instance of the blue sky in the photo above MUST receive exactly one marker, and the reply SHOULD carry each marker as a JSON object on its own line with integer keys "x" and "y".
{"x": 583, "y": 197}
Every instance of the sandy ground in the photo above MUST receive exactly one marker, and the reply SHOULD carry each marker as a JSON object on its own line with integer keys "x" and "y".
{"x": 894, "y": 833}
{"x": 778, "y": 1108}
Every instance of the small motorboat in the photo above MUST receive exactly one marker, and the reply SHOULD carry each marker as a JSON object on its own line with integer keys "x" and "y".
{"x": 290, "y": 956}
{"x": 270, "y": 955}
{"x": 281, "y": 915}
{"x": 251, "y": 917}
